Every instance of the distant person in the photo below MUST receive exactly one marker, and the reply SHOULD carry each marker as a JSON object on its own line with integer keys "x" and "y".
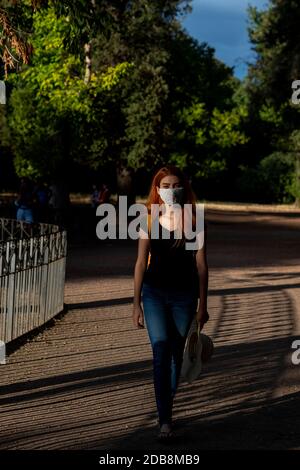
{"x": 42, "y": 194}
{"x": 104, "y": 194}
{"x": 95, "y": 197}
{"x": 59, "y": 202}
{"x": 24, "y": 202}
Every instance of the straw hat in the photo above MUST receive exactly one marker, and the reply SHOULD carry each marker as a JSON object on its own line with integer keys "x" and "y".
{"x": 207, "y": 347}
{"x": 198, "y": 350}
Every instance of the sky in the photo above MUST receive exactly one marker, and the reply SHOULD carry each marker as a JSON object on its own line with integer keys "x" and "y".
{"x": 223, "y": 25}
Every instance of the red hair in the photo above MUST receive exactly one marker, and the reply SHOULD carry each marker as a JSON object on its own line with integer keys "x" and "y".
{"x": 189, "y": 196}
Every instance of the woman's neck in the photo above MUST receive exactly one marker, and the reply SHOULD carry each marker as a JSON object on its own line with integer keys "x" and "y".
{"x": 171, "y": 218}
{"x": 170, "y": 211}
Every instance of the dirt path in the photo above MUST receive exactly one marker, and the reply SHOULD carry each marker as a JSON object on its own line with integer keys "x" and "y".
{"x": 86, "y": 383}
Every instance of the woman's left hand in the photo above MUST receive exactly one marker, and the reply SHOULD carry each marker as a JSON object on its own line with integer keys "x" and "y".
{"x": 202, "y": 316}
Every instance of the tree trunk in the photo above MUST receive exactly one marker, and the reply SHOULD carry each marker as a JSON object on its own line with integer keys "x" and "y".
{"x": 88, "y": 53}
{"x": 125, "y": 183}
{"x": 88, "y": 63}
{"x": 297, "y": 189}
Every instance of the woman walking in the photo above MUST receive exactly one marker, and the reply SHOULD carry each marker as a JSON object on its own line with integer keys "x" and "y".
{"x": 25, "y": 202}
{"x": 169, "y": 287}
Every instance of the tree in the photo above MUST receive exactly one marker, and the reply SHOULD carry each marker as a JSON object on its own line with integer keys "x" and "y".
{"x": 205, "y": 123}
{"x": 132, "y": 91}
{"x": 274, "y": 34}
{"x": 51, "y": 107}
{"x": 123, "y": 126}
{"x": 85, "y": 18}
{"x": 273, "y": 119}
{"x": 141, "y": 34}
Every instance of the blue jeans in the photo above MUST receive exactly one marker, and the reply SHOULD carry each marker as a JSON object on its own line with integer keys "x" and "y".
{"x": 168, "y": 316}
{"x": 25, "y": 215}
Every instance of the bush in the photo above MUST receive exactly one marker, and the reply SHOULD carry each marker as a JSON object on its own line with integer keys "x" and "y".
{"x": 272, "y": 181}
{"x": 277, "y": 173}
{"x": 249, "y": 185}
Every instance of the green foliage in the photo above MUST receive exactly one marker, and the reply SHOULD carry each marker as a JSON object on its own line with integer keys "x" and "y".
{"x": 274, "y": 34}
{"x": 271, "y": 181}
{"x": 269, "y": 114}
{"x": 249, "y": 185}
{"x": 226, "y": 128}
{"x": 50, "y": 103}
{"x": 276, "y": 173}
{"x": 205, "y": 125}
{"x": 294, "y": 147}
{"x": 210, "y": 136}
{"x": 155, "y": 95}
{"x": 118, "y": 116}
{"x": 272, "y": 117}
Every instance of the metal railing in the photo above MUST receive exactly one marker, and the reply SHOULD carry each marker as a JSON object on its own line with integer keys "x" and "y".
{"x": 32, "y": 276}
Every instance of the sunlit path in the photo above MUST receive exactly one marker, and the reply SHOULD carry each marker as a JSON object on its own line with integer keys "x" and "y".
{"x": 87, "y": 382}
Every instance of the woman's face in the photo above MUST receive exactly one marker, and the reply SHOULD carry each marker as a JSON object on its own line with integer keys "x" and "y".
{"x": 170, "y": 190}
{"x": 170, "y": 181}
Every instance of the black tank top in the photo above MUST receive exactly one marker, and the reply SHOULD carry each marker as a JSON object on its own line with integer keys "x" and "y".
{"x": 172, "y": 268}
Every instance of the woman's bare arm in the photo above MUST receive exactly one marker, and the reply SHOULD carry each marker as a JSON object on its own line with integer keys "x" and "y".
{"x": 202, "y": 267}
{"x": 139, "y": 270}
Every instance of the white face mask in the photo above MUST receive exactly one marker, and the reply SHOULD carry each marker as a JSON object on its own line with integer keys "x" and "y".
{"x": 171, "y": 196}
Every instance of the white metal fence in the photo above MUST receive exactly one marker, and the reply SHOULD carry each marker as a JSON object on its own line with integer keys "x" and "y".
{"x": 32, "y": 276}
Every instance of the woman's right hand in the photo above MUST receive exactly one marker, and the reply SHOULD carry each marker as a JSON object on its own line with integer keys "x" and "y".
{"x": 138, "y": 316}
